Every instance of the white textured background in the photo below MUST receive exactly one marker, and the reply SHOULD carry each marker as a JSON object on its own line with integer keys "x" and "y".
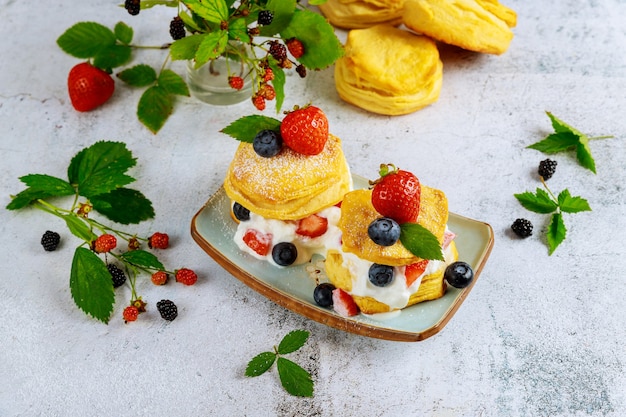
{"x": 538, "y": 336}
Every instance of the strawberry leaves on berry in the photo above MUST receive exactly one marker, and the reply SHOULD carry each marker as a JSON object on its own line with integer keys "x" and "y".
{"x": 294, "y": 379}
{"x": 565, "y": 138}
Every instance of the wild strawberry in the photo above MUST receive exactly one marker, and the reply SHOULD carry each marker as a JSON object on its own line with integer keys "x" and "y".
{"x": 295, "y": 46}
{"x": 104, "y": 243}
{"x": 159, "y": 241}
{"x": 130, "y": 313}
{"x": 259, "y": 102}
{"x": 235, "y": 82}
{"x": 397, "y": 194}
{"x": 267, "y": 92}
{"x": 269, "y": 75}
{"x": 186, "y": 276}
{"x": 312, "y": 226}
{"x": 344, "y": 304}
{"x": 159, "y": 278}
{"x": 89, "y": 87}
{"x": 412, "y": 272}
{"x": 305, "y": 130}
{"x": 257, "y": 241}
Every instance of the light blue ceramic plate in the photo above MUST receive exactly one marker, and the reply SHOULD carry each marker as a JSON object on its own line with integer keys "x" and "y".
{"x": 292, "y": 287}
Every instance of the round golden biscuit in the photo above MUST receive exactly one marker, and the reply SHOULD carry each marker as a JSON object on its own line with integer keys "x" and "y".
{"x": 389, "y": 71}
{"x": 288, "y": 186}
{"x": 358, "y": 14}
{"x": 476, "y": 25}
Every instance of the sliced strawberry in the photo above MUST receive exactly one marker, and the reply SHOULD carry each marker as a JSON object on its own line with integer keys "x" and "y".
{"x": 312, "y": 226}
{"x": 448, "y": 237}
{"x": 344, "y": 304}
{"x": 257, "y": 241}
{"x": 413, "y": 271}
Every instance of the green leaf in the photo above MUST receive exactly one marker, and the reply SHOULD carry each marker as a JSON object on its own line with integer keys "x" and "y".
{"x": 260, "y": 364}
{"x": 91, "y": 285}
{"x": 40, "y": 186}
{"x": 189, "y": 22}
{"x": 238, "y": 30}
{"x": 143, "y": 259}
{"x": 293, "y": 341}
{"x": 140, "y": 75}
{"x": 155, "y": 106}
{"x": 101, "y": 168}
{"x": 420, "y": 241}
{"x": 79, "y": 228}
{"x": 185, "y": 48}
{"x": 111, "y": 56}
{"x": 124, "y": 206}
{"x": 294, "y": 378}
{"x": 212, "y": 10}
{"x": 173, "y": 83}
{"x": 570, "y": 204}
{"x": 86, "y": 39}
{"x": 278, "y": 83}
{"x": 561, "y": 126}
{"x": 283, "y": 11}
{"x": 245, "y": 129}
{"x": 556, "y": 232}
{"x": 212, "y": 46}
{"x": 538, "y": 203}
{"x": 123, "y": 33}
{"x": 583, "y": 153}
{"x": 556, "y": 142}
{"x": 321, "y": 46}
{"x": 316, "y": 2}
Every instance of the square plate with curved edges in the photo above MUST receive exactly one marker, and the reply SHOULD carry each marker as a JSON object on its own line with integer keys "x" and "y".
{"x": 213, "y": 228}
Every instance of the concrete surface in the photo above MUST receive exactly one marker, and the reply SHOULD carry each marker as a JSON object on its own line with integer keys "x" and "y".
{"x": 539, "y": 335}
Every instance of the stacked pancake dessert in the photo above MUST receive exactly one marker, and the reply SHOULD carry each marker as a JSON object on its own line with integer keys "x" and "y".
{"x": 396, "y": 248}
{"x": 285, "y": 182}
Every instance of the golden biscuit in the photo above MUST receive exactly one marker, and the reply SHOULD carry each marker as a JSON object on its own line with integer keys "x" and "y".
{"x": 288, "y": 186}
{"x": 476, "y": 25}
{"x": 358, "y": 14}
{"x": 389, "y": 71}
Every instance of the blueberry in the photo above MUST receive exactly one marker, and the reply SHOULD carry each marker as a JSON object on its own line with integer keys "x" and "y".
{"x": 384, "y": 231}
{"x": 459, "y": 274}
{"x": 380, "y": 275}
{"x": 284, "y": 253}
{"x": 241, "y": 213}
{"x": 323, "y": 294}
{"x": 267, "y": 143}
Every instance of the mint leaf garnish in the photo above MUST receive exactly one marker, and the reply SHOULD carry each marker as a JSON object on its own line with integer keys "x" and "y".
{"x": 296, "y": 380}
{"x": 246, "y": 128}
{"x": 420, "y": 241}
{"x": 556, "y": 232}
{"x": 124, "y": 206}
{"x": 91, "y": 285}
{"x": 141, "y": 75}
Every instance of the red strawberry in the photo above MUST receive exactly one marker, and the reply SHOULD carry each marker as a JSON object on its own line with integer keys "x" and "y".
{"x": 89, "y": 87}
{"x": 344, "y": 304}
{"x": 305, "y": 130}
{"x": 159, "y": 241}
{"x": 312, "y": 226}
{"x": 257, "y": 241}
{"x": 413, "y": 271}
{"x": 397, "y": 195}
{"x": 104, "y": 243}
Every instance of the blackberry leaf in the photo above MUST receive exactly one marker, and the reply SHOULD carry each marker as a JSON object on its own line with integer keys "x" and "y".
{"x": 141, "y": 75}
{"x": 142, "y": 258}
{"x": 91, "y": 285}
{"x": 123, "y": 33}
{"x": 86, "y": 39}
{"x": 123, "y": 205}
{"x": 556, "y": 232}
{"x": 155, "y": 106}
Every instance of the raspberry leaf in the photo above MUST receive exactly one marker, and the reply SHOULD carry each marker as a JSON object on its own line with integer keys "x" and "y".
{"x": 245, "y": 128}
{"x": 123, "y": 33}
{"x": 294, "y": 378}
{"x": 91, "y": 285}
{"x": 40, "y": 187}
{"x": 293, "y": 341}
{"x": 570, "y": 204}
{"x": 212, "y": 46}
{"x": 123, "y": 205}
{"x": 155, "y": 106}
{"x": 86, "y": 39}
{"x": 79, "y": 228}
{"x": 260, "y": 364}
{"x": 420, "y": 241}
{"x": 556, "y": 232}
{"x": 173, "y": 83}
{"x": 141, "y": 75}
{"x": 538, "y": 203}
{"x": 186, "y": 47}
{"x": 101, "y": 168}
{"x": 143, "y": 259}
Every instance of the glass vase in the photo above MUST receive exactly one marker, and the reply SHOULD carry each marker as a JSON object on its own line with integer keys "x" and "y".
{"x": 209, "y": 82}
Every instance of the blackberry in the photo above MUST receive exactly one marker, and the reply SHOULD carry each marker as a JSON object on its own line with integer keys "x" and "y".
{"x": 50, "y": 240}
{"x": 301, "y": 70}
{"x": 167, "y": 309}
{"x": 117, "y": 275}
{"x": 278, "y": 51}
{"x": 547, "y": 168}
{"x": 132, "y": 7}
{"x": 177, "y": 28}
{"x": 522, "y": 227}
{"x": 265, "y": 17}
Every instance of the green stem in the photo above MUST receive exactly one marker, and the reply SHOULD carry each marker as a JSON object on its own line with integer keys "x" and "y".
{"x": 601, "y": 137}
{"x": 554, "y": 198}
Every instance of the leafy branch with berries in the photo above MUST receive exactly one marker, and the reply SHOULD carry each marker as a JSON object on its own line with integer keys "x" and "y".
{"x": 98, "y": 174}
{"x": 279, "y": 35}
